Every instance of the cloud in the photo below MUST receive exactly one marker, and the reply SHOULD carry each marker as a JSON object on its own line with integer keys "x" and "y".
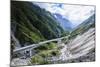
{"x": 75, "y": 13}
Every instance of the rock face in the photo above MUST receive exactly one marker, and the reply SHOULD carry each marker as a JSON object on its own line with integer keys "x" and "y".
{"x": 83, "y": 44}
{"x": 80, "y": 49}
{"x": 20, "y": 62}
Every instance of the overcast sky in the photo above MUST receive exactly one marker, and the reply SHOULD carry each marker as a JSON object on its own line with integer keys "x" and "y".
{"x": 75, "y": 13}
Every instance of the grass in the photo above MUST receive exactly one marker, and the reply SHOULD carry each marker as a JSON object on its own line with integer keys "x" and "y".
{"x": 48, "y": 46}
{"x": 45, "y": 51}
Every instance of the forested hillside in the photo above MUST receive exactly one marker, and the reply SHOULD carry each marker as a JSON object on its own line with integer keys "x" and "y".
{"x": 31, "y": 24}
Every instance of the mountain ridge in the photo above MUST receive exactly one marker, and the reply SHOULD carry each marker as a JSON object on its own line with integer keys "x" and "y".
{"x": 64, "y": 23}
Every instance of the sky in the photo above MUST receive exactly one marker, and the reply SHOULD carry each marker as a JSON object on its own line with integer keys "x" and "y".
{"x": 74, "y": 13}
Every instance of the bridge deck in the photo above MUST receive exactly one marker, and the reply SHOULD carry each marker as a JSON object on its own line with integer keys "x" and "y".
{"x": 40, "y": 43}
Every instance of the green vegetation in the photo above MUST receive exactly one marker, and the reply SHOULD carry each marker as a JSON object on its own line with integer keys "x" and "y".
{"x": 47, "y": 46}
{"x": 31, "y": 24}
{"x": 45, "y": 51}
{"x": 37, "y": 60}
{"x": 40, "y": 58}
{"x": 49, "y": 53}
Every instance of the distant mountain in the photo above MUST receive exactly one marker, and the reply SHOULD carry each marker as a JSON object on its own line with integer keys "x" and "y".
{"x": 65, "y": 23}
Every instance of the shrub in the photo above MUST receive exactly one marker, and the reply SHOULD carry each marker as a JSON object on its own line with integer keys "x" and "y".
{"x": 52, "y": 45}
{"x": 41, "y": 56}
{"x": 46, "y": 47}
{"x": 37, "y": 59}
{"x": 55, "y": 53}
{"x": 46, "y": 53}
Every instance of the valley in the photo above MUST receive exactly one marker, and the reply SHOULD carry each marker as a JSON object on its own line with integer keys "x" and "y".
{"x": 39, "y": 37}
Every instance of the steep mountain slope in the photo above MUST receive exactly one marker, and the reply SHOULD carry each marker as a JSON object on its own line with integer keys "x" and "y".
{"x": 81, "y": 44}
{"x": 88, "y": 21}
{"x": 82, "y": 47}
{"x": 83, "y": 27}
{"x": 31, "y": 24}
